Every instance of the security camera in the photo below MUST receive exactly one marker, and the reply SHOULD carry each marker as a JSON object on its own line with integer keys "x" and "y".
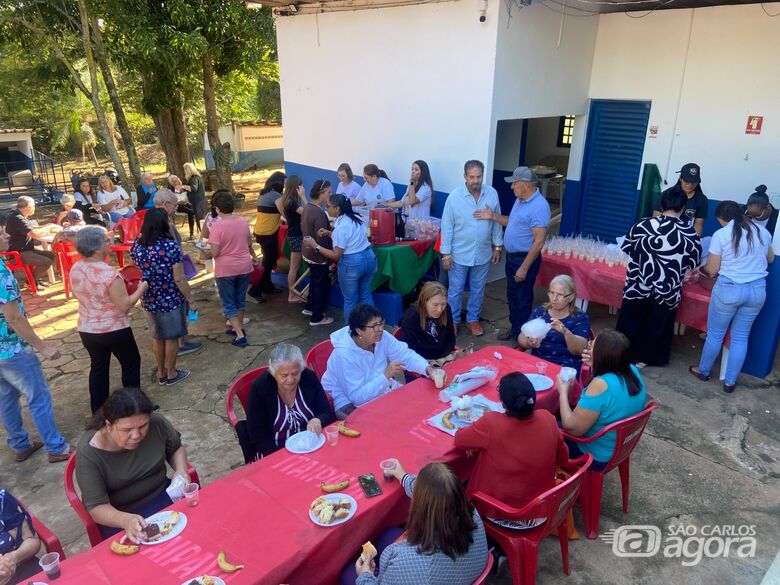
{"x": 483, "y": 5}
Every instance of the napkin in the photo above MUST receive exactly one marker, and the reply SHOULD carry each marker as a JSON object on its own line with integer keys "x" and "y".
{"x": 468, "y": 381}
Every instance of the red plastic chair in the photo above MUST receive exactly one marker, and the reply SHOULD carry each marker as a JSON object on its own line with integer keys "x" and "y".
{"x": 14, "y": 262}
{"x": 522, "y": 546}
{"x": 317, "y": 358}
{"x": 627, "y": 434}
{"x": 93, "y": 532}
{"x": 67, "y": 256}
{"x": 131, "y": 227}
{"x": 239, "y": 388}
{"x": 484, "y": 575}
{"x": 50, "y": 541}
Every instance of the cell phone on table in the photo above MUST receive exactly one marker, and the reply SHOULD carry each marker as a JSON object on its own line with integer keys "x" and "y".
{"x": 370, "y": 485}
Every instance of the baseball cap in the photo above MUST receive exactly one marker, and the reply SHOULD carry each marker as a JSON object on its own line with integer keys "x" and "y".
{"x": 522, "y": 175}
{"x": 690, "y": 173}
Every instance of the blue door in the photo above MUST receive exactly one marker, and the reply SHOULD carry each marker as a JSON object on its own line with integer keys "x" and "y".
{"x": 610, "y": 169}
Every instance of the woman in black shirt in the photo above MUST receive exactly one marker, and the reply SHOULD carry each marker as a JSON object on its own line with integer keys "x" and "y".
{"x": 427, "y": 326}
{"x": 293, "y": 200}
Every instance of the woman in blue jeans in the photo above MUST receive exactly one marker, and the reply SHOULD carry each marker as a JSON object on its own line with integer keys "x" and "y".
{"x": 352, "y": 251}
{"x": 739, "y": 254}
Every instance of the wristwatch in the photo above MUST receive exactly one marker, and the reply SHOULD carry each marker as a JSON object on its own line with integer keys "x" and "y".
{"x": 316, "y": 248}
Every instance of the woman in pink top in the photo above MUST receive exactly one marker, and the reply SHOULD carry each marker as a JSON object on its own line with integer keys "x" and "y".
{"x": 104, "y": 323}
{"x": 234, "y": 259}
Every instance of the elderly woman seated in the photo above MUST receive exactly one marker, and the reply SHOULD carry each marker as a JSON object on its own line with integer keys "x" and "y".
{"x": 67, "y": 202}
{"x": 564, "y": 343}
{"x": 18, "y": 542}
{"x": 365, "y": 361}
{"x": 121, "y": 463}
{"x": 285, "y": 400}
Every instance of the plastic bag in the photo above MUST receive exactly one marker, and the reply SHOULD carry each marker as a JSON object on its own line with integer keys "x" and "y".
{"x": 468, "y": 381}
{"x": 536, "y": 328}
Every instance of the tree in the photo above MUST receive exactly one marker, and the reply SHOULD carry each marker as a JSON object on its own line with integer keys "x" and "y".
{"x": 54, "y": 23}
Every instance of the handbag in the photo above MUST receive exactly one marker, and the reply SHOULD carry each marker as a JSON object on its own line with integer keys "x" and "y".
{"x": 190, "y": 270}
{"x": 12, "y": 517}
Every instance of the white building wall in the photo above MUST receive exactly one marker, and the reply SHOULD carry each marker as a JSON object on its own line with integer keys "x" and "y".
{"x": 729, "y": 72}
{"x": 389, "y": 86}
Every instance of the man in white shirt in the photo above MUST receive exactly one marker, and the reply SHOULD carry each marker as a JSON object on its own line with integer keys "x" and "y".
{"x": 468, "y": 244}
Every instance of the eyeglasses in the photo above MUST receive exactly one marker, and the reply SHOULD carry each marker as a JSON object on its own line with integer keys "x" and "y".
{"x": 377, "y": 327}
{"x": 556, "y": 295}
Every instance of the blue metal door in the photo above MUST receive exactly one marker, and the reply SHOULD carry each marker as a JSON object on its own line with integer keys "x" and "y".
{"x": 610, "y": 170}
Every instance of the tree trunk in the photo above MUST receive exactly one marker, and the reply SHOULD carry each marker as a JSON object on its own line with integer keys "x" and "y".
{"x": 170, "y": 129}
{"x": 94, "y": 97}
{"x": 116, "y": 103}
{"x": 221, "y": 159}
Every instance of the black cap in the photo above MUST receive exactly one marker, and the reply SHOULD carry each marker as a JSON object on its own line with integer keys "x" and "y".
{"x": 690, "y": 173}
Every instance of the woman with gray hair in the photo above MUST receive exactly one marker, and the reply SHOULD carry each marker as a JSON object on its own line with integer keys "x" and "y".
{"x": 104, "y": 323}
{"x": 286, "y": 399}
{"x": 182, "y": 199}
{"x": 146, "y": 191}
{"x": 570, "y": 327}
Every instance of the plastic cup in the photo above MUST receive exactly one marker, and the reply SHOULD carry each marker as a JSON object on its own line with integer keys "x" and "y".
{"x": 50, "y": 563}
{"x": 387, "y": 466}
{"x": 567, "y": 374}
{"x": 332, "y": 435}
{"x": 438, "y": 376}
{"x": 192, "y": 494}
{"x": 541, "y": 368}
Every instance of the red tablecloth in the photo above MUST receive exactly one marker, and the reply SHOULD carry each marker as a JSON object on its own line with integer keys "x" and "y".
{"x": 258, "y": 514}
{"x": 600, "y": 283}
{"x": 420, "y": 247}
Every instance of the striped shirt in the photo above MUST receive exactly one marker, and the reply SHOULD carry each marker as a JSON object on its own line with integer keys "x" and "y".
{"x": 291, "y": 420}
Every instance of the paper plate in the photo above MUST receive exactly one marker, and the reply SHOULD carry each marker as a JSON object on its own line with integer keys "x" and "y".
{"x": 215, "y": 580}
{"x": 540, "y": 381}
{"x": 302, "y": 442}
{"x": 335, "y": 498}
{"x": 162, "y": 517}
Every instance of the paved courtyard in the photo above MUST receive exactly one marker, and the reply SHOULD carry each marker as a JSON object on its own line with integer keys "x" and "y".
{"x": 707, "y": 458}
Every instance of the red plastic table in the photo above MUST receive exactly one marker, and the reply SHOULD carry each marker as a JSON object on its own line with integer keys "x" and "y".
{"x": 258, "y": 514}
{"x": 601, "y": 283}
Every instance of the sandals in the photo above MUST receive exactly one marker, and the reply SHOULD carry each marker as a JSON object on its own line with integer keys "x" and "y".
{"x": 699, "y": 375}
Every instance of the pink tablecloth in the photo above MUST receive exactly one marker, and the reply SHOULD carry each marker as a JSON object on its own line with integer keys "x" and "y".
{"x": 258, "y": 514}
{"x": 600, "y": 283}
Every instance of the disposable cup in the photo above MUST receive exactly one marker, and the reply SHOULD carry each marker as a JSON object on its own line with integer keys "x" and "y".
{"x": 541, "y": 368}
{"x": 192, "y": 494}
{"x": 567, "y": 374}
{"x": 438, "y": 376}
{"x": 387, "y": 466}
{"x": 50, "y": 563}
{"x": 332, "y": 435}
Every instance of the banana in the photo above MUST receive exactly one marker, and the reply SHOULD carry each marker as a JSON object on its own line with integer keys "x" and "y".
{"x": 445, "y": 420}
{"x": 330, "y": 488}
{"x": 124, "y": 549}
{"x": 347, "y": 432}
{"x": 225, "y": 565}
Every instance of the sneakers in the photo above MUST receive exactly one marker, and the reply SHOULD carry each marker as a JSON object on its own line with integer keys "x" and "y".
{"x": 58, "y": 457}
{"x": 162, "y": 381}
{"x": 323, "y": 321}
{"x": 24, "y": 455}
{"x": 256, "y": 298}
{"x": 505, "y": 335}
{"x": 476, "y": 329}
{"x": 240, "y": 342}
{"x": 306, "y": 312}
{"x": 230, "y": 331}
{"x": 180, "y": 375}
{"x": 189, "y": 347}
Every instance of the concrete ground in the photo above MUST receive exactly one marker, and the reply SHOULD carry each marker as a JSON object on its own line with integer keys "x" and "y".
{"x": 707, "y": 458}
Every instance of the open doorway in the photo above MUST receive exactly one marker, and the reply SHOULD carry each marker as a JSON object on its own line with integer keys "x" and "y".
{"x": 540, "y": 143}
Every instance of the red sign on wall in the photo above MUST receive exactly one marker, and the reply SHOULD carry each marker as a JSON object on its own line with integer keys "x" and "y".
{"x": 754, "y": 124}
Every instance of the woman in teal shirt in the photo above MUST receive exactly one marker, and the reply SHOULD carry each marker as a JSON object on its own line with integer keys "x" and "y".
{"x": 616, "y": 392}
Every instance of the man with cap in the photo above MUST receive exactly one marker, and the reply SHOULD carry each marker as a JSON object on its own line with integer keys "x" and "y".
{"x": 526, "y": 229}
{"x": 697, "y": 205}
{"x": 468, "y": 246}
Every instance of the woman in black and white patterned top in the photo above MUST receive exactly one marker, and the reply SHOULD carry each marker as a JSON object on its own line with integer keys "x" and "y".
{"x": 662, "y": 249}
